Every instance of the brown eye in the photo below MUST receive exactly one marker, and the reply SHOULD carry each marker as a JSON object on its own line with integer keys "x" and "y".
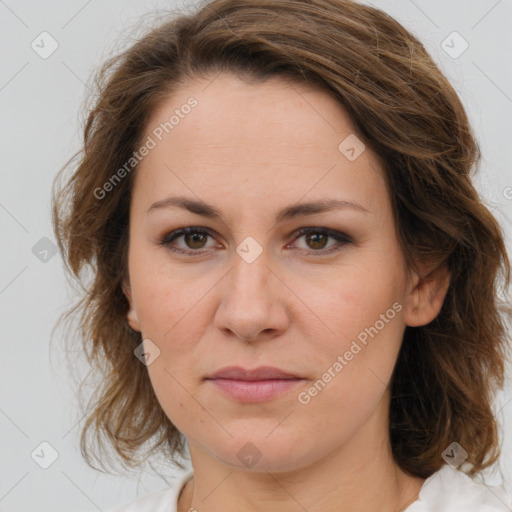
{"x": 188, "y": 240}
{"x": 196, "y": 240}
{"x": 316, "y": 240}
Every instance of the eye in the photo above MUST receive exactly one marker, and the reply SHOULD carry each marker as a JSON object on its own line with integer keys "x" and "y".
{"x": 194, "y": 238}
{"x": 316, "y": 239}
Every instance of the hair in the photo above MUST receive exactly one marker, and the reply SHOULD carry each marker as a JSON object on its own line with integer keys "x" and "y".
{"x": 405, "y": 110}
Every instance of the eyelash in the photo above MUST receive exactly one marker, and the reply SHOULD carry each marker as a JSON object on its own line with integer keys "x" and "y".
{"x": 341, "y": 238}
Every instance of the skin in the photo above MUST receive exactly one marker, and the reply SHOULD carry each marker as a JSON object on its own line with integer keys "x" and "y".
{"x": 250, "y": 150}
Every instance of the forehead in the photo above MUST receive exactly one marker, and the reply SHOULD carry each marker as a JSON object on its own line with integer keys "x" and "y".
{"x": 243, "y": 137}
{"x": 230, "y": 112}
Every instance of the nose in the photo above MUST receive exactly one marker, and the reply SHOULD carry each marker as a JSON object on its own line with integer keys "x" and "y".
{"x": 253, "y": 304}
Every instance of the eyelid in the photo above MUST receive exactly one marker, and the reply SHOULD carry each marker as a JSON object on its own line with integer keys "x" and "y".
{"x": 333, "y": 233}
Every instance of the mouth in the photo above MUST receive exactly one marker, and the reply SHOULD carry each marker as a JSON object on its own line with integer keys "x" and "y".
{"x": 257, "y": 385}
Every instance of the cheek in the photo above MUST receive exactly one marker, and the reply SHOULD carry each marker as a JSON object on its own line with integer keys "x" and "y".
{"x": 166, "y": 298}
{"x": 350, "y": 300}
{"x": 176, "y": 397}
{"x": 355, "y": 349}
{"x": 354, "y": 368}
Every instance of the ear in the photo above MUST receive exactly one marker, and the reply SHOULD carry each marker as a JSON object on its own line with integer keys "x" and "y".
{"x": 131, "y": 316}
{"x": 426, "y": 297}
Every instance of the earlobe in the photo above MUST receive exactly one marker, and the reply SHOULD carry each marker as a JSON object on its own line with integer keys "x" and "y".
{"x": 426, "y": 297}
{"x": 131, "y": 316}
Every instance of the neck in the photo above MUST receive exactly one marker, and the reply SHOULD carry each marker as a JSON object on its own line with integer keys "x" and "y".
{"x": 358, "y": 476}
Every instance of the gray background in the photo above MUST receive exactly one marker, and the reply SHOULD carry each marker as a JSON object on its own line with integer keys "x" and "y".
{"x": 41, "y": 103}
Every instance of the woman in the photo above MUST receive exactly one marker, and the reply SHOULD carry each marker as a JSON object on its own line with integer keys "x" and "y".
{"x": 294, "y": 277}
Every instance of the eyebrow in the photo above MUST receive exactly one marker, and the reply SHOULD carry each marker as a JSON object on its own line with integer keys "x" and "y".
{"x": 286, "y": 213}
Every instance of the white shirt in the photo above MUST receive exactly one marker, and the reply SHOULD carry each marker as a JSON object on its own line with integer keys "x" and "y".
{"x": 447, "y": 490}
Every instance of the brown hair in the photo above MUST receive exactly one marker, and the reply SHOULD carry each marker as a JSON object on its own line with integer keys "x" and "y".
{"x": 405, "y": 110}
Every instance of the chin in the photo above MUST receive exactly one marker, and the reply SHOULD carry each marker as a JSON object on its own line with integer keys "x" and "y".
{"x": 261, "y": 452}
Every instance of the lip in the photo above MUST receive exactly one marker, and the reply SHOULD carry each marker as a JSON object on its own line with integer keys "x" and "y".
{"x": 256, "y": 385}
{"x": 260, "y": 373}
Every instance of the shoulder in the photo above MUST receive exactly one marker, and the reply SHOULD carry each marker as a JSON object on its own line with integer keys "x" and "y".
{"x": 451, "y": 490}
{"x": 161, "y": 501}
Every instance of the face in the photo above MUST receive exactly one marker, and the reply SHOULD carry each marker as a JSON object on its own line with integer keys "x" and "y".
{"x": 294, "y": 264}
